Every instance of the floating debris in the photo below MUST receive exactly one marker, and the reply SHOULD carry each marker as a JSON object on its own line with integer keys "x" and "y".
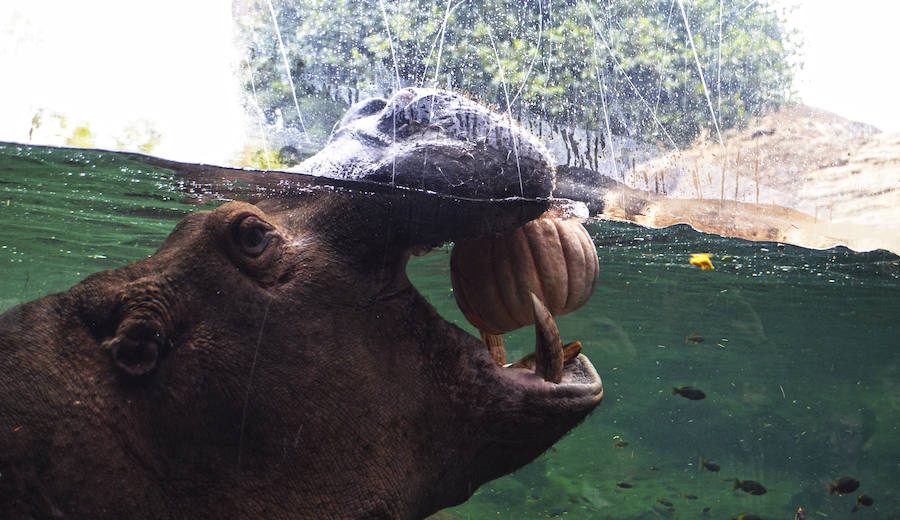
{"x": 709, "y": 465}
{"x": 624, "y": 485}
{"x": 843, "y": 486}
{"x": 749, "y": 486}
{"x": 862, "y": 500}
{"x": 694, "y": 338}
{"x": 701, "y": 260}
{"x": 694, "y": 394}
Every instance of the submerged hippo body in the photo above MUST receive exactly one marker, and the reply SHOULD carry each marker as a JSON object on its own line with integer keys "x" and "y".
{"x": 274, "y": 361}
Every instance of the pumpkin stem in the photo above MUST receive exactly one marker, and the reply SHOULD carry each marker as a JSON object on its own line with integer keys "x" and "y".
{"x": 494, "y": 343}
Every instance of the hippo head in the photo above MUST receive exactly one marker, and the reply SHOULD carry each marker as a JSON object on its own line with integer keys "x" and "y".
{"x": 273, "y": 360}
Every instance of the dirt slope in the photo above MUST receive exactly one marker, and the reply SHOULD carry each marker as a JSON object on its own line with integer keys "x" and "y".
{"x": 800, "y": 175}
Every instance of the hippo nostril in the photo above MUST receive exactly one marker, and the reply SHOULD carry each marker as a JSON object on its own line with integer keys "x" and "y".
{"x": 394, "y": 121}
{"x": 360, "y": 110}
{"x": 371, "y": 106}
{"x": 135, "y": 357}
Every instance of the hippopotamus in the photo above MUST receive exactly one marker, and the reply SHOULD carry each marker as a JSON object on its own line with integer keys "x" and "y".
{"x": 273, "y": 360}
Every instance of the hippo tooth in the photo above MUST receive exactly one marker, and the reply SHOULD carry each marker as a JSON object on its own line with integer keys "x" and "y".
{"x": 494, "y": 344}
{"x": 548, "y": 351}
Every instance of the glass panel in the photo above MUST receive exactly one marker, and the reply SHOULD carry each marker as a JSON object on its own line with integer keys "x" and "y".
{"x": 761, "y": 134}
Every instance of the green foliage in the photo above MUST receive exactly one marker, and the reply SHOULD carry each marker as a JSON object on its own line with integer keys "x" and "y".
{"x": 558, "y": 60}
{"x": 140, "y": 135}
{"x": 262, "y": 160}
{"x": 81, "y": 137}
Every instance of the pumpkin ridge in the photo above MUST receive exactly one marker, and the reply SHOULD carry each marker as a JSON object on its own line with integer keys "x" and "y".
{"x": 509, "y": 313}
{"x": 544, "y": 249}
{"x": 525, "y": 269}
{"x": 571, "y": 263}
{"x": 593, "y": 259}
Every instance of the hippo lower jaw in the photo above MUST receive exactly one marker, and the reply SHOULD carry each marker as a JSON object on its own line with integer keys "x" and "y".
{"x": 578, "y": 379}
{"x": 550, "y": 362}
{"x": 578, "y": 376}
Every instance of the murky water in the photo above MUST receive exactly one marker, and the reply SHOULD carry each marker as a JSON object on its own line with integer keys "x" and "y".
{"x": 799, "y": 358}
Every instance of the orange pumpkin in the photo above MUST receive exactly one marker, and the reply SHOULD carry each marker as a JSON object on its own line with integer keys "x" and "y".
{"x": 552, "y": 257}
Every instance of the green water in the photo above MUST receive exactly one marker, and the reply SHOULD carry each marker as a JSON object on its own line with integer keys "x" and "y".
{"x": 799, "y": 359}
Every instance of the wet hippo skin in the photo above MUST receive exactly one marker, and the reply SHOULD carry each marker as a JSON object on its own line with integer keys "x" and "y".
{"x": 274, "y": 361}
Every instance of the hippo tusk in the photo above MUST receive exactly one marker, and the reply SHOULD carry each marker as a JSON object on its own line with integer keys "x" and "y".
{"x": 548, "y": 351}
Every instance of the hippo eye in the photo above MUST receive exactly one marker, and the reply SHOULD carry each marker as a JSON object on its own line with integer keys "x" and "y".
{"x": 252, "y": 235}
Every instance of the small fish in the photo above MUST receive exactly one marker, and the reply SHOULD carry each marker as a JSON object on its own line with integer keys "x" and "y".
{"x": 624, "y": 485}
{"x": 747, "y": 517}
{"x": 709, "y": 465}
{"x": 694, "y": 338}
{"x": 862, "y": 500}
{"x": 690, "y": 496}
{"x": 694, "y": 394}
{"x": 665, "y": 502}
{"x": 801, "y": 514}
{"x": 653, "y": 468}
{"x": 701, "y": 260}
{"x": 706, "y": 510}
{"x": 621, "y": 444}
{"x": 843, "y": 486}
{"x": 749, "y": 486}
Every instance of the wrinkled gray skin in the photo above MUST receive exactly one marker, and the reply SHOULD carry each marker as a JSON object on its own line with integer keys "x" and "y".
{"x": 438, "y": 141}
{"x": 274, "y": 361}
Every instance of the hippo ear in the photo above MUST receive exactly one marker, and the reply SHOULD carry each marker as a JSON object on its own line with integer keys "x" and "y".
{"x": 147, "y": 313}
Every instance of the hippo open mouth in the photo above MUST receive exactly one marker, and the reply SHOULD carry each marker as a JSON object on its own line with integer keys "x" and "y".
{"x": 450, "y": 146}
{"x": 463, "y": 172}
{"x": 273, "y": 360}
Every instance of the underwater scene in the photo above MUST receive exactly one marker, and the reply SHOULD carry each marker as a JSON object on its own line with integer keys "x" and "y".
{"x": 741, "y": 378}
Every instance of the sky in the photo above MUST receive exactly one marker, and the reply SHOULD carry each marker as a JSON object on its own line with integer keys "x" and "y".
{"x": 114, "y": 63}
{"x": 850, "y": 52}
{"x": 170, "y": 64}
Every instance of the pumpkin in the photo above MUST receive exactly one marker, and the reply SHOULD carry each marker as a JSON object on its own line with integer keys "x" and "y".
{"x": 492, "y": 277}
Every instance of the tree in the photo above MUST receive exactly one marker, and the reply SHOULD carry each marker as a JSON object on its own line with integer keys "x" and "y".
{"x": 561, "y": 61}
